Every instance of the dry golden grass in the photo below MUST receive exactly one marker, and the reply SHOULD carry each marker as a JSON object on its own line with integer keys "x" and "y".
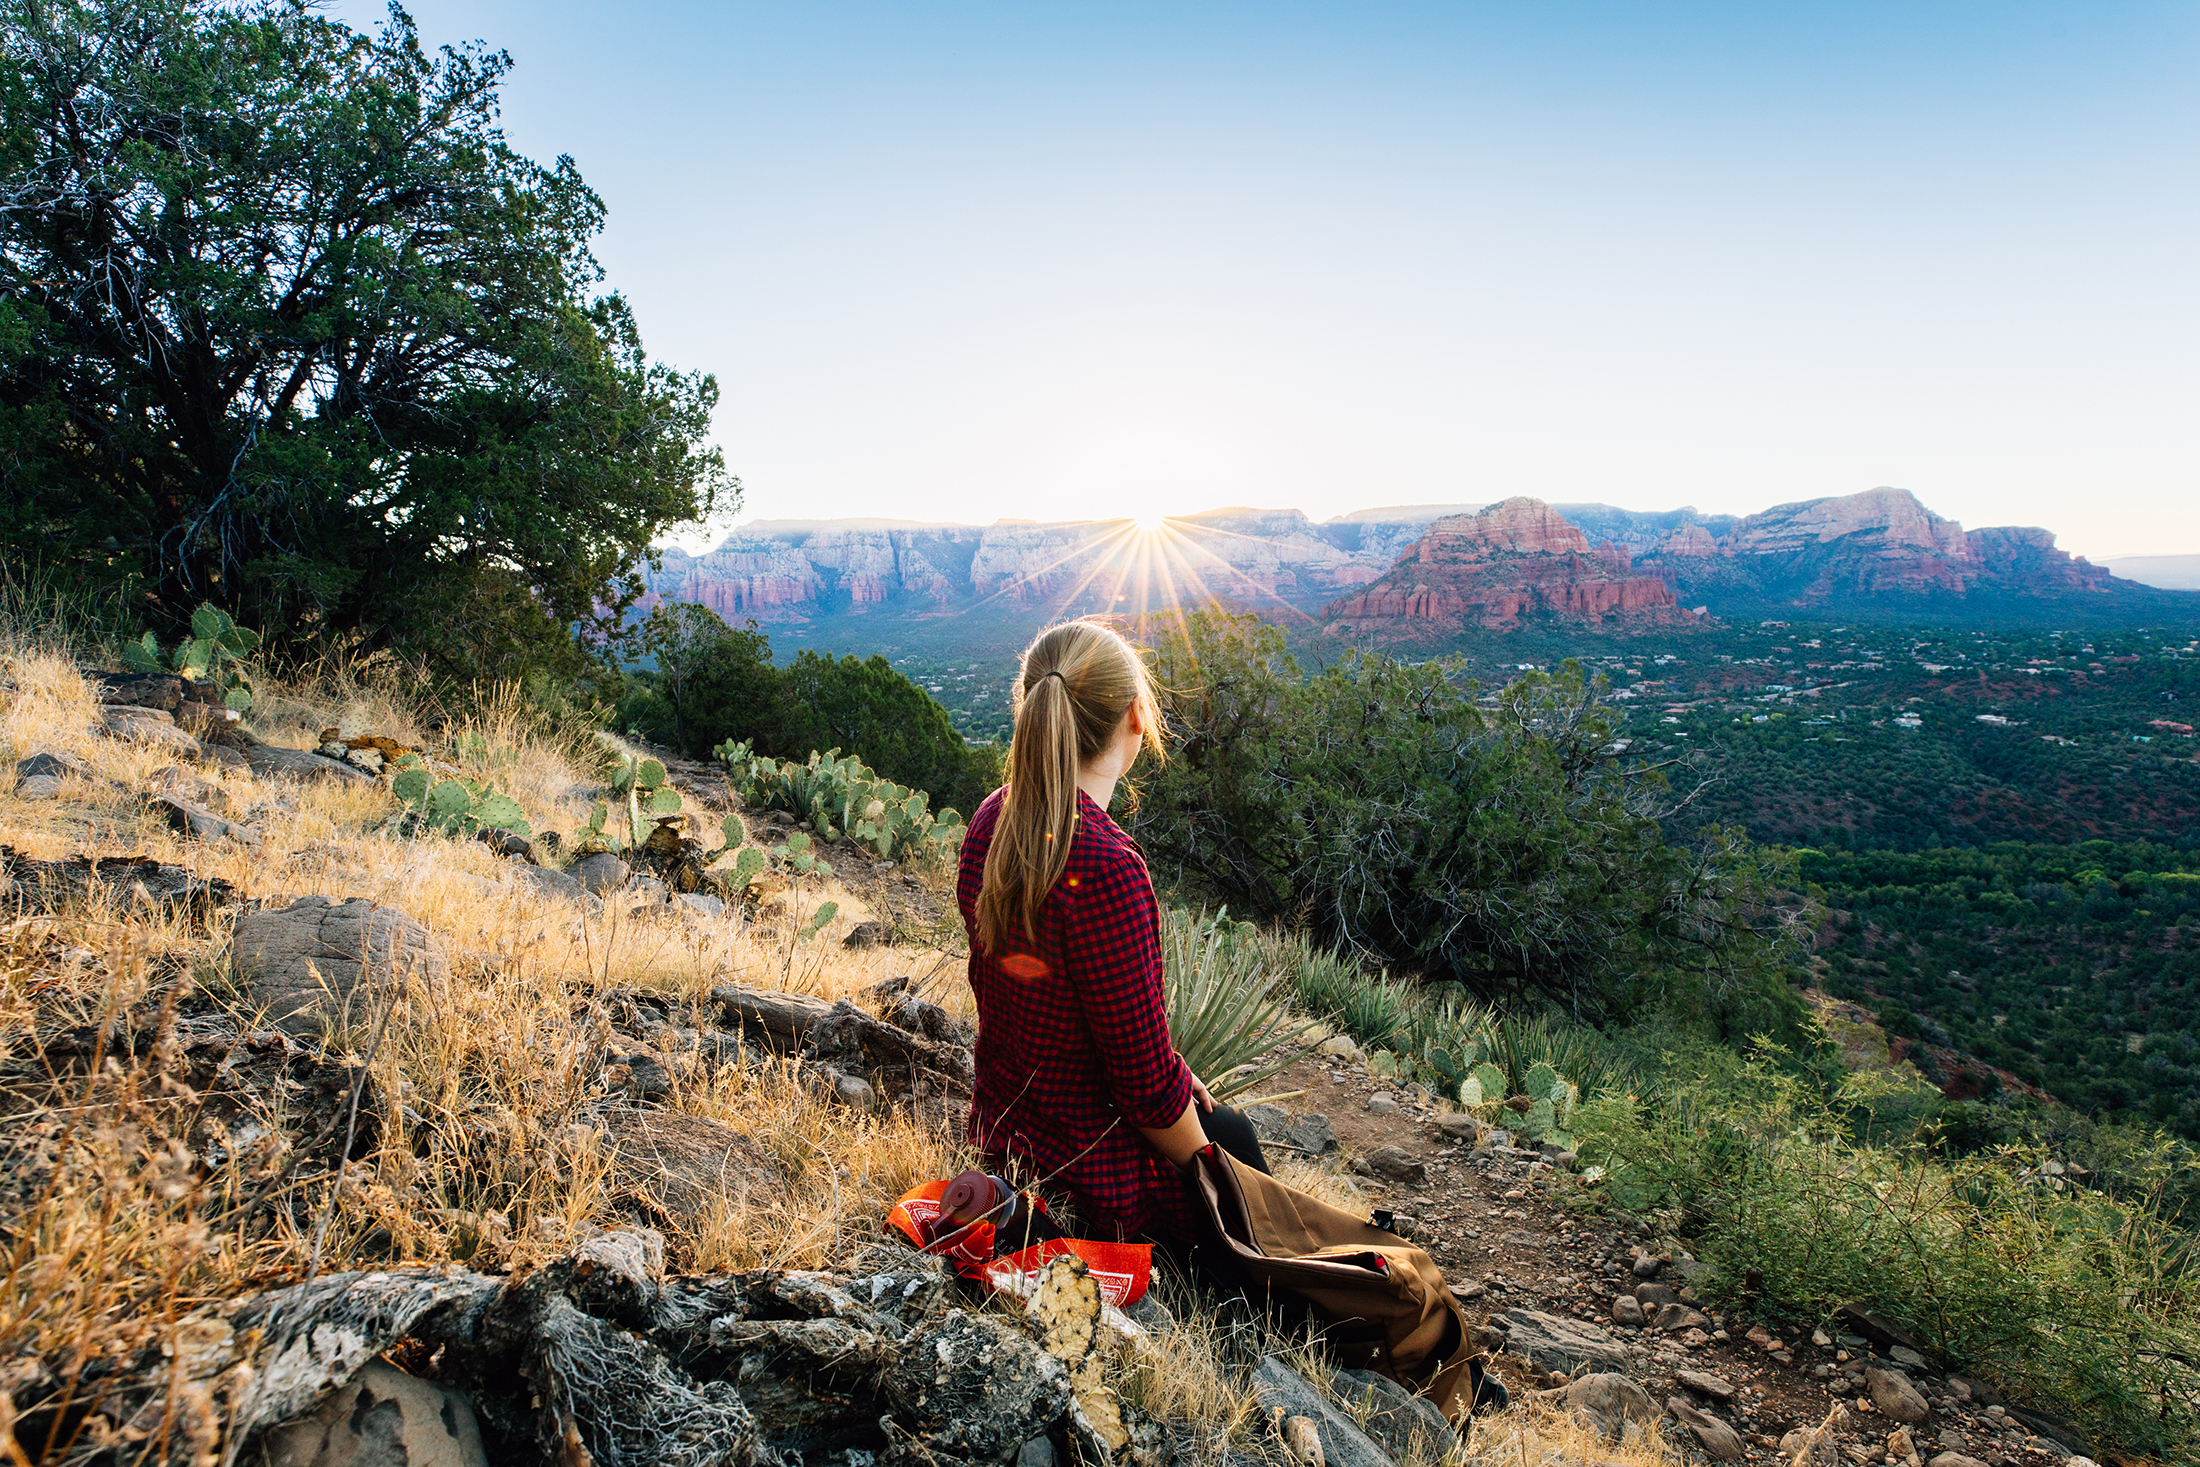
{"x": 492, "y": 1158}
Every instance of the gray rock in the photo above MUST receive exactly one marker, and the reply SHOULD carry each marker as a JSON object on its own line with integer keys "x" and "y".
{"x": 1382, "y": 1105}
{"x": 1958, "y": 1459}
{"x": 175, "y": 780}
{"x": 1895, "y": 1397}
{"x": 1495, "y": 1137}
{"x": 1311, "y": 1134}
{"x": 1338, "y": 1046}
{"x": 1655, "y": 1296}
{"x": 1553, "y": 1342}
{"x": 1266, "y": 1120}
{"x": 1277, "y": 1387}
{"x": 976, "y": 1386}
{"x": 868, "y": 934}
{"x": 508, "y": 844}
{"x": 685, "y": 1166}
{"x": 1647, "y": 1266}
{"x": 196, "y": 822}
{"x": 601, "y": 873}
{"x": 323, "y": 961}
{"x": 381, "y": 1417}
{"x": 268, "y": 759}
{"x": 548, "y": 881}
{"x": 1717, "y": 1387}
{"x": 1904, "y": 1355}
{"x": 49, "y": 768}
{"x": 1720, "y": 1441}
{"x": 1038, "y": 1452}
{"x": 1459, "y": 1127}
{"x": 1626, "y": 1311}
{"x": 702, "y": 904}
{"x": 649, "y": 890}
{"x": 1402, "y": 1423}
{"x": 1610, "y": 1400}
{"x": 1396, "y": 1164}
{"x": 162, "y": 690}
{"x": 854, "y": 1090}
{"x": 1678, "y": 1316}
{"x": 148, "y": 726}
{"x": 2057, "y": 1435}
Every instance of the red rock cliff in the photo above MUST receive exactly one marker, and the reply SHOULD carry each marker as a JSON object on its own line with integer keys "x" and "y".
{"x": 1513, "y": 560}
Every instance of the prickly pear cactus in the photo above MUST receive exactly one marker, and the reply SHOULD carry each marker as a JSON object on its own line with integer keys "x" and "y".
{"x": 1540, "y": 1078}
{"x": 1538, "y": 1122}
{"x": 451, "y": 807}
{"x": 1490, "y": 1081}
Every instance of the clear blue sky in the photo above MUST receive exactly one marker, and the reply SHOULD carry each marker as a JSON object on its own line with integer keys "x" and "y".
{"x": 954, "y": 262}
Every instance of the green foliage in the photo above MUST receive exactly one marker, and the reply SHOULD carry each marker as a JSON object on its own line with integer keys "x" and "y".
{"x": 450, "y": 807}
{"x": 825, "y": 913}
{"x": 335, "y": 362}
{"x": 2033, "y": 959}
{"x": 1505, "y": 847}
{"x": 1228, "y": 1000}
{"x": 840, "y": 797}
{"x": 2072, "y": 1291}
{"x": 214, "y": 653}
{"x": 718, "y": 685}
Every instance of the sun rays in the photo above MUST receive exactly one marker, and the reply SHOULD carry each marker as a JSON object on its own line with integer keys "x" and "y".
{"x": 1142, "y": 567}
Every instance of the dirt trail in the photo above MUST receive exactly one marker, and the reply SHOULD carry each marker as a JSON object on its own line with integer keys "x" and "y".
{"x": 1515, "y": 1233}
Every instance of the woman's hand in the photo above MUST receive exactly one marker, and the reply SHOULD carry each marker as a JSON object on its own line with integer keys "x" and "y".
{"x": 1200, "y": 1097}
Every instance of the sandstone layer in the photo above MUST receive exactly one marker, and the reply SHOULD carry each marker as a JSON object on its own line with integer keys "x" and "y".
{"x": 1514, "y": 560}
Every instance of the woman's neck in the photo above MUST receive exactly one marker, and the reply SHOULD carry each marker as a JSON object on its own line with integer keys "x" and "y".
{"x": 1099, "y": 784}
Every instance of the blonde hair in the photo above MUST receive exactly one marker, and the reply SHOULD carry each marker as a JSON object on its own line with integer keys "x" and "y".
{"x": 1078, "y": 680}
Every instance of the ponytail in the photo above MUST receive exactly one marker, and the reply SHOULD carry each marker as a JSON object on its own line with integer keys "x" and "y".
{"x": 1077, "y": 682}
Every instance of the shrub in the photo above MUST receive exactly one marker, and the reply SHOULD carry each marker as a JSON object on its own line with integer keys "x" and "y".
{"x": 1512, "y": 850}
{"x": 2067, "y": 1295}
{"x": 214, "y": 653}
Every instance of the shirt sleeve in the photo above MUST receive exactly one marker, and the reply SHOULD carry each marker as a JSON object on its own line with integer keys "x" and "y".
{"x": 1112, "y": 954}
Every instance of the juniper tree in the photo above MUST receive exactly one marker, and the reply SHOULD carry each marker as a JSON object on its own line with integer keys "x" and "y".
{"x": 286, "y": 326}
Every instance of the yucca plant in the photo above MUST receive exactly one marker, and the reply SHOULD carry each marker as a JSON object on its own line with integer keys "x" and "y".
{"x": 1229, "y": 1006}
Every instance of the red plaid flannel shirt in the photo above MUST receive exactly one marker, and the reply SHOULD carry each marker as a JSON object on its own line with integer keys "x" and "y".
{"x": 1073, "y": 1058}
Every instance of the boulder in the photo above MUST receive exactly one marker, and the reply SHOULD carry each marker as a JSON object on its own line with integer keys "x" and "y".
{"x": 1279, "y": 1388}
{"x": 868, "y": 934}
{"x": 1309, "y": 1133}
{"x": 1717, "y": 1387}
{"x": 1553, "y": 1342}
{"x": 1678, "y": 1316}
{"x": 1609, "y": 1401}
{"x": 324, "y": 961}
{"x": 1407, "y": 1426}
{"x": 1339, "y": 1047}
{"x": 701, "y": 903}
{"x": 508, "y": 844}
{"x": 1720, "y": 1442}
{"x": 1655, "y": 1296}
{"x": 162, "y": 690}
{"x": 1395, "y": 1163}
{"x": 977, "y": 1386}
{"x": 149, "y": 726}
{"x": 601, "y": 873}
{"x": 1383, "y": 1105}
{"x": 553, "y": 884}
{"x": 1460, "y": 1127}
{"x": 45, "y": 774}
{"x": 381, "y": 1417}
{"x": 1958, "y": 1459}
{"x": 174, "y": 779}
{"x": 1894, "y": 1397}
{"x": 269, "y": 759}
{"x": 1627, "y": 1312}
{"x": 195, "y": 822}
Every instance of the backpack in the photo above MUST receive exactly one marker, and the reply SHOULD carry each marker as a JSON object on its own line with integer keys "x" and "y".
{"x": 1384, "y": 1302}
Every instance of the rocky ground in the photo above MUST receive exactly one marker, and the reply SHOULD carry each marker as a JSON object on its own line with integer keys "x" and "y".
{"x": 1566, "y": 1290}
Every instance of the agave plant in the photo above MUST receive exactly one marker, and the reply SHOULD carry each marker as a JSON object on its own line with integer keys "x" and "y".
{"x": 1228, "y": 1007}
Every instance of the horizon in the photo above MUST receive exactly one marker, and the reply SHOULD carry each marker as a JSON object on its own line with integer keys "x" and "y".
{"x": 956, "y": 264}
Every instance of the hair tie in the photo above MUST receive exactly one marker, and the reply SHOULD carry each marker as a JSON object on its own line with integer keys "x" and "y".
{"x": 1051, "y": 673}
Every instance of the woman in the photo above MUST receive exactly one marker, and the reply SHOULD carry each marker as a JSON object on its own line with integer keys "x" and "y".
{"x": 1078, "y": 1088}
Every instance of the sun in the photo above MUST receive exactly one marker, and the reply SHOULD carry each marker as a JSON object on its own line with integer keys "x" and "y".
{"x": 1149, "y": 524}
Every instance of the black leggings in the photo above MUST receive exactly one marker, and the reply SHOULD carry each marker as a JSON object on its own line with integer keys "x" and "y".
{"x": 1225, "y": 1127}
